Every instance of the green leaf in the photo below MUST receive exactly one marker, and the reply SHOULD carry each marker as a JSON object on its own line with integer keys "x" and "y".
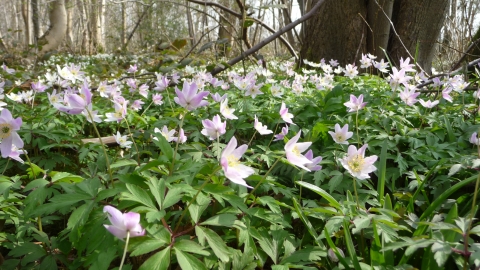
{"x": 350, "y": 246}
{"x": 191, "y": 247}
{"x": 216, "y": 243}
{"x": 307, "y": 223}
{"x": 335, "y": 249}
{"x": 139, "y": 195}
{"x": 322, "y": 193}
{"x": 65, "y": 177}
{"x": 226, "y": 220}
{"x": 142, "y": 245}
{"x": 442, "y": 251}
{"x": 310, "y": 254}
{"x": 159, "y": 261}
{"x": 123, "y": 163}
{"x": 189, "y": 262}
{"x": 165, "y": 147}
{"x": 382, "y": 169}
{"x": 174, "y": 195}
{"x": 80, "y": 215}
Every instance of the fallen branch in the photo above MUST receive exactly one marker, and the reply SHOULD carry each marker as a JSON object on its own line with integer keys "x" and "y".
{"x": 271, "y": 38}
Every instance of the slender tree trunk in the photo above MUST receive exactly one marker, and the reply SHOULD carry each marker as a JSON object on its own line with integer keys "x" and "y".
{"x": 26, "y": 20}
{"x": 418, "y": 25}
{"x": 191, "y": 30}
{"x": 69, "y": 5}
{"x": 35, "y": 20}
{"x": 379, "y": 16}
{"x": 54, "y": 36}
{"x": 124, "y": 26}
{"x": 287, "y": 19}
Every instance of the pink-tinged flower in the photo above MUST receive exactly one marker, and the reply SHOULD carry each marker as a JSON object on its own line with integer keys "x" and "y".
{"x": 119, "y": 114}
{"x": 181, "y": 136}
{"x": 341, "y": 135}
{"x": 428, "y": 104}
{"x": 132, "y": 83}
{"x": 381, "y": 66}
{"x": 123, "y": 224}
{"x": 398, "y": 77}
{"x": 15, "y": 154}
{"x": 405, "y": 65}
{"x": 351, "y": 71}
{"x": 122, "y": 140}
{"x": 216, "y": 82}
{"x": 294, "y": 152}
{"x": 162, "y": 83}
{"x": 474, "y": 139}
{"x": 104, "y": 89}
{"x": 157, "y": 99}
{"x": 357, "y": 164}
{"x": 132, "y": 69}
{"x": 91, "y": 115}
{"x": 446, "y": 94}
{"x": 188, "y": 97}
{"x": 226, "y": 111}
{"x": 8, "y": 133}
{"x": 137, "y": 105}
{"x": 365, "y": 61}
{"x": 263, "y": 130}
{"x": 333, "y": 62}
{"x": 282, "y": 134}
{"x": 213, "y": 129}
{"x": 313, "y": 166}
{"x": 8, "y": 70}
{"x": 143, "y": 90}
{"x": 38, "y": 87}
{"x": 230, "y": 161}
{"x": 217, "y": 97}
{"x": 409, "y": 96}
{"x": 167, "y": 134}
{"x": 355, "y": 103}
{"x": 286, "y": 116}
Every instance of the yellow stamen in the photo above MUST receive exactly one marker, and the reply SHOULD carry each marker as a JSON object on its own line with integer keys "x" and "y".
{"x": 356, "y": 163}
{"x": 5, "y": 130}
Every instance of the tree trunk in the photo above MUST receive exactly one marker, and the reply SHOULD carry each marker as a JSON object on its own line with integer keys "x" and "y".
{"x": 191, "y": 30}
{"x": 35, "y": 20}
{"x": 69, "y": 5}
{"x": 336, "y": 32}
{"x": 287, "y": 19}
{"x": 54, "y": 36}
{"x": 26, "y": 20}
{"x": 418, "y": 24}
{"x": 85, "y": 45}
{"x": 124, "y": 25}
{"x": 378, "y": 17}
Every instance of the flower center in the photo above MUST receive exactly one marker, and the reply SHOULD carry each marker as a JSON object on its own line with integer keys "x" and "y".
{"x": 5, "y": 130}
{"x": 232, "y": 161}
{"x": 296, "y": 151}
{"x": 356, "y": 163}
{"x": 340, "y": 138}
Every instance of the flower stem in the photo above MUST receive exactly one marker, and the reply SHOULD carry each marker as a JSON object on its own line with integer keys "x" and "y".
{"x": 253, "y": 136}
{"x": 356, "y": 194}
{"x": 124, "y": 251}
{"x": 103, "y": 147}
{"x": 261, "y": 181}
{"x": 356, "y": 125}
{"x": 176, "y": 146}
{"x": 273, "y": 135}
{"x": 146, "y": 108}
{"x": 133, "y": 140}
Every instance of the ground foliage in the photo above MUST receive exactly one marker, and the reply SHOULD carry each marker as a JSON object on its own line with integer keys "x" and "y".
{"x": 414, "y": 212}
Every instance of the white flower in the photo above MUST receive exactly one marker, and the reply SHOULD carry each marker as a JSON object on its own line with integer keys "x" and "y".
{"x": 122, "y": 140}
{"x": 294, "y": 152}
{"x": 226, "y": 111}
{"x": 341, "y": 135}
{"x": 357, "y": 164}
{"x": 263, "y": 130}
{"x": 230, "y": 161}
{"x": 167, "y": 134}
{"x": 428, "y": 104}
